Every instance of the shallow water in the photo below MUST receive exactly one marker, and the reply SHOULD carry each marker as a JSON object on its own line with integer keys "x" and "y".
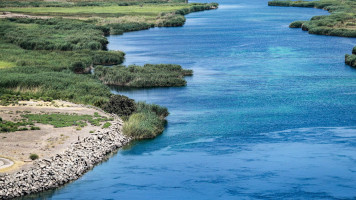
{"x": 268, "y": 114}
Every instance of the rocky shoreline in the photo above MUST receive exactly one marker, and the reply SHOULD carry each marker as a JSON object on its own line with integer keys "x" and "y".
{"x": 79, "y": 158}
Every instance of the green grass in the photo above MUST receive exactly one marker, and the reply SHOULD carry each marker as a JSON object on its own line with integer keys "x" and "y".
{"x": 4, "y": 64}
{"x": 106, "y": 125}
{"x": 75, "y": 3}
{"x": 53, "y": 34}
{"x": 162, "y": 75}
{"x": 147, "y": 122}
{"x": 146, "y": 10}
{"x": 8, "y": 126}
{"x": 65, "y": 120}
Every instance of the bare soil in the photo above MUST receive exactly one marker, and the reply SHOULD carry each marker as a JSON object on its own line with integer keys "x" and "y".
{"x": 49, "y": 141}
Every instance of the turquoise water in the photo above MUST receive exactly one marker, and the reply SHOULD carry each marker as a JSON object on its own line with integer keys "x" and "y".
{"x": 268, "y": 114}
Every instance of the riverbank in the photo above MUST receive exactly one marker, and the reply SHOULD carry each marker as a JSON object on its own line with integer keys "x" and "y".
{"x": 73, "y": 151}
{"x": 54, "y": 65}
{"x": 341, "y": 22}
{"x": 53, "y": 57}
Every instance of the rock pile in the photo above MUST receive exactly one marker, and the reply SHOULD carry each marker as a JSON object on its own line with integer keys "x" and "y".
{"x": 75, "y": 161}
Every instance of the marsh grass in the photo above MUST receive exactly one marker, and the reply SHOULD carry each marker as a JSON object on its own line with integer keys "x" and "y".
{"x": 160, "y": 75}
{"x": 147, "y": 122}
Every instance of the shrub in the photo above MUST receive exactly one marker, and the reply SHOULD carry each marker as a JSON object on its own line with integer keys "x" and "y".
{"x": 35, "y": 128}
{"x": 120, "y": 105}
{"x": 147, "y": 122}
{"x": 296, "y": 24}
{"x": 160, "y": 111}
{"x": 34, "y": 156}
{"x": 350, "y": 60}
{"x": 143, "y": 125}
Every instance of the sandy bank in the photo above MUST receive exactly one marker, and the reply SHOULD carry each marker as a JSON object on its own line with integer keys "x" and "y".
{"x": 73, "y": 153}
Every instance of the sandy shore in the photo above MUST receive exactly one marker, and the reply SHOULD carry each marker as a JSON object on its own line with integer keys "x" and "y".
{"x": 47, "y": 142}
{"x": 65, "y": 153}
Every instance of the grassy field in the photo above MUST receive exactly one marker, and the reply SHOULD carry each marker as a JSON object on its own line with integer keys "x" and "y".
{"x": 56, "y": 120}
{"x": 341, "y": 22}
{"x": 145, "y": 10}
{"x": 65, "y": 120}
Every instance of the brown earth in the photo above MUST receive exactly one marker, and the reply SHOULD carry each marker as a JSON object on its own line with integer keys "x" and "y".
{"x": 47, "y": 142}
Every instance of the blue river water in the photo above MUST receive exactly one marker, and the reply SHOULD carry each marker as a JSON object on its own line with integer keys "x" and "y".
{"x": 270, "y": 112}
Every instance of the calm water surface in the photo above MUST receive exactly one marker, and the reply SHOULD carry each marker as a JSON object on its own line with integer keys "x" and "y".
{"x": 270, "y": 112}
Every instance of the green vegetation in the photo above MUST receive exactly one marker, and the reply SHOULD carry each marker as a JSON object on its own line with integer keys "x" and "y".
{"x": 106, "y": 125}
{"x": 57, "y": 120}
{"x": 65, "y": 120}
{"x": 142, "y": 121}
{"x": 50, "y": 57}
{"x": 296, "y": 24}
{"x": 350, "y": 60}
{"x": 74, "y": 3}
{"x": 124, "y": 16}
{"x": 34, "y": 156}
{"x": 341, "y": 21}
{"x": 120, "y": 105}
{"x": 8, "y": 126}
{"x": 8, "y": 99}
{"x": 53, "y": 34}
{"x": 162, "y": 75}
{"x": 147, "y": 122}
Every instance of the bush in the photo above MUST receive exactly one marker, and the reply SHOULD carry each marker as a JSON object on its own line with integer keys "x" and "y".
{"x": 35, "y": 128}
{"x": 144, "y": 125}
{"x": 34, "y": 156}
{"x": 120, "y": 105}
{"x": 350, "y": 60}
{"x": 160, "y": 111}
{"x": 147, "y": 122}
{"x": 296, "y": 24}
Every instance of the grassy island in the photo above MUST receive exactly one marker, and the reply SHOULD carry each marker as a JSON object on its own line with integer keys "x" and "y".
{"x": 163, "y": 75}
{"x": 341, "y": 22}
{"x": 49, "y": 48}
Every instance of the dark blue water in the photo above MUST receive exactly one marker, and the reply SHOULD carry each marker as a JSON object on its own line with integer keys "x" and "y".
{"x": 270, "y": 112}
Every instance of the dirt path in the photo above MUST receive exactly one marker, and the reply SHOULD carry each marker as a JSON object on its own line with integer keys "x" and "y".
{"x": 17, "y": 15}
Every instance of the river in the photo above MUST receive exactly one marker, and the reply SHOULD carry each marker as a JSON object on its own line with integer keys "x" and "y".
{"x": 270, "y": 112}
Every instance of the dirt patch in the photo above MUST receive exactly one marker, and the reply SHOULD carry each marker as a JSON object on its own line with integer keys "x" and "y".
{"x": 46, "y": 142}
{"x": 17, "y": 15}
